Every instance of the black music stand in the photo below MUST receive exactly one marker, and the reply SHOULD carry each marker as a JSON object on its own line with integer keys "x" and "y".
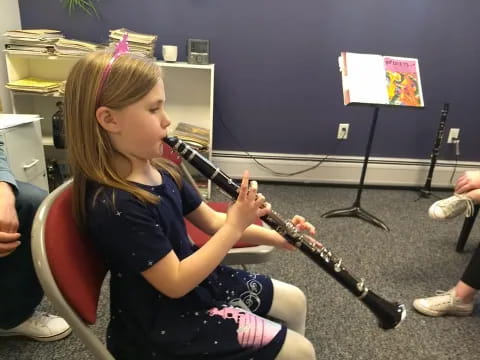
{"x": 356, "y": 210}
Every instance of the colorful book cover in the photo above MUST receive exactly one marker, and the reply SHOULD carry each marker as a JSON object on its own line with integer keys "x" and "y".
{"x": 403, "y": 81}
{"x": 382, "y": 80}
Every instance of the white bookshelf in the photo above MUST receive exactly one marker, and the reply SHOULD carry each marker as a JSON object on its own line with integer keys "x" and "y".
{"x": 189, "y": 91}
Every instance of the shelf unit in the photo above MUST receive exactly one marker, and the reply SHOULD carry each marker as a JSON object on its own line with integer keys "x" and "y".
{"x": 189, "y": 90}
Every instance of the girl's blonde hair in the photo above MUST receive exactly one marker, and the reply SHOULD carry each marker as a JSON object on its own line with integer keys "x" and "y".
{"x": 90, "y": 151}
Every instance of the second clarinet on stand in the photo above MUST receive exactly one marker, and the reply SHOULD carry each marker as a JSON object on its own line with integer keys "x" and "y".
{"x": 426, "y": 191}
{"x": 58, "y": 126}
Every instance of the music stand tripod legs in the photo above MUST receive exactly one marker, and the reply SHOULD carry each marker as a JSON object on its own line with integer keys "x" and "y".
{"x": 356, "y": 210}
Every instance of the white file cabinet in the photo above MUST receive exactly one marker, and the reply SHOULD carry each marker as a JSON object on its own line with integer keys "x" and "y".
{"x": 24, "y": 150}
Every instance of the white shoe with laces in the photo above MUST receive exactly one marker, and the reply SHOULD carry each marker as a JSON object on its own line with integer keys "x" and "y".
{"x": 451, "y": 207}
{"x": 443, "y": 303}
{"x": 41, "y": 326}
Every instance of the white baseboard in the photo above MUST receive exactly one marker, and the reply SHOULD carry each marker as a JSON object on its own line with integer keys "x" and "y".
{"x": 400, "y": 172}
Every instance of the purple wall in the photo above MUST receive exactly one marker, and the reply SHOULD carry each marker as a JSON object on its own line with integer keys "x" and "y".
{"x": 277, "y": 83}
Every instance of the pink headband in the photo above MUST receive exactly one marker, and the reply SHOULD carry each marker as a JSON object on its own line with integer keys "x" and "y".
{"x": 120, "y": 49}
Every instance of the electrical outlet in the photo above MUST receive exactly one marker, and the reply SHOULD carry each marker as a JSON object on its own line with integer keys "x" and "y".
{"x": 342, "y": 132}
{"x": 454, "y": 134}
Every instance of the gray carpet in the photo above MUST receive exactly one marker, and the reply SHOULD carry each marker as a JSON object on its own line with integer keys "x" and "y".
{"x": 414, "y": 259}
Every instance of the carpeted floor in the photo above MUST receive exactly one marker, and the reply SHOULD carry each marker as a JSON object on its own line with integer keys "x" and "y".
{"x": 414, "y": 259}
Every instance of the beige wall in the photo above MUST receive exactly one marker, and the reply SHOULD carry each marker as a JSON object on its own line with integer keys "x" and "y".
{"x": 9, "y": 20}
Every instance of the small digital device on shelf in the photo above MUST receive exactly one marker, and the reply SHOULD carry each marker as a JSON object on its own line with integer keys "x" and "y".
{"x": 198, "y": 51}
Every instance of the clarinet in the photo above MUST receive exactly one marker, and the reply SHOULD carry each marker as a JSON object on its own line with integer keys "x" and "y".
{"x": 436, "y": 147}
{"x": 389, "y": 315}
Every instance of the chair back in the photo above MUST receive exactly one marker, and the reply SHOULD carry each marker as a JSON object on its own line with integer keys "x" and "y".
{"x": 68, "y": 266}
{"x": 242, "y": 253}
{"x": 200, "y": 238}
{"x": 169, "y": 154}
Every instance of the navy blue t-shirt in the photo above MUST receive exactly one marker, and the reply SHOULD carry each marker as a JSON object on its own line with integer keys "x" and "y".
{"x": 132, "y": 236}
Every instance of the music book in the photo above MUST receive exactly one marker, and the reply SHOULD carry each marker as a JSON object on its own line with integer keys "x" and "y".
{"x": 381, "y": 80}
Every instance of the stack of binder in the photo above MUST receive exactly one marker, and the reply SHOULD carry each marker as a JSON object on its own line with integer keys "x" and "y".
{"x": 141, "y": 44}
{"x": 32, "y": 41}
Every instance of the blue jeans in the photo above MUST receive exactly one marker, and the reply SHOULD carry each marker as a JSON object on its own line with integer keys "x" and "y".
{"x": 20, "y": 291}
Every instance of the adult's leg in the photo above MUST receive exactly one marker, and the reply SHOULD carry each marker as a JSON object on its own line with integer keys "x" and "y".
{"x": 20, "y": 291}
{"x": 289, "y": 305}
{"x": 459, "y": 300}
{"x": 470, "y": 280}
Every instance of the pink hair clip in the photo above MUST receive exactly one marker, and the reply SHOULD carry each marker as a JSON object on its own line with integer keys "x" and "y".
{"x": 120, "y": 49}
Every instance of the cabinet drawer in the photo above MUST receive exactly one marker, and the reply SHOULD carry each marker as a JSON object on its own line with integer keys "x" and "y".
{"x": 23, "y": 146}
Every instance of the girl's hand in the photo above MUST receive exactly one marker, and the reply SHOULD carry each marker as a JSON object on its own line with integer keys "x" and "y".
{"x": 249, "y": 205}
{"x": 302, "y": 225}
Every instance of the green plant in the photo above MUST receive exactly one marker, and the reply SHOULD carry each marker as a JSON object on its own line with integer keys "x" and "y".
{"x": 85, "y": 5}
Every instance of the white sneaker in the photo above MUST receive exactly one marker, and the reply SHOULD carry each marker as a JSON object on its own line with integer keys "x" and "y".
{"x": 451, "y": 207}
{"x": 443, "y": 303}
{"x": 41, "y": 327}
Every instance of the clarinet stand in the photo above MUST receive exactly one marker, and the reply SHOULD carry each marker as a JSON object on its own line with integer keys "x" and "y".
{"x": 426, "y": 191}
{"x": 356, "y": 210}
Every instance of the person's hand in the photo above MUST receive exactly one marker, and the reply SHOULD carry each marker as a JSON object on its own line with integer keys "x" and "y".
{"x": 249, "y": 205}
{"x": 302, "y": 225}
{"x": 8, "y": 221}
{"x": 470, "y": 180}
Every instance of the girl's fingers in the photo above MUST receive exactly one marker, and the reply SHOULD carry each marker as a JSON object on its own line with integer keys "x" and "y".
{"x": 267, "y": 206}
{"x": 243, "y": 186}
{"x": 301, "y": 224}
{"x": 259, "y": 198}
{"x": 252, "y": 190}
{"x": 297, "y": 219}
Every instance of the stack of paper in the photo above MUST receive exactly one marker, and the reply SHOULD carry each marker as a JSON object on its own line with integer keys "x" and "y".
{"x": 142, "y": 44}
{"x": 70, "y": 47}
{"x": 36, "y": 41}
{"x": 32, "y": 84}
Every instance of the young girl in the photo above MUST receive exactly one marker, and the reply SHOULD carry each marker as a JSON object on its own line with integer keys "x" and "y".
{"x": 169, "y": 300}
